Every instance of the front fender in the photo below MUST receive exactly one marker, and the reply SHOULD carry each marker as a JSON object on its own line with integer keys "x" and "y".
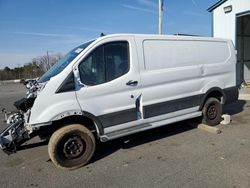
{"x": 54, "y": 107}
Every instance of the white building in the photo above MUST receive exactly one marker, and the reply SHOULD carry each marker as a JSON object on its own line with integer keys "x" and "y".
{"x": 231, "y": 19}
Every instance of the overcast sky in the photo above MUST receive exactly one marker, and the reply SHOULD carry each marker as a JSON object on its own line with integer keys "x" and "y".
{"x": 29, "y": 28}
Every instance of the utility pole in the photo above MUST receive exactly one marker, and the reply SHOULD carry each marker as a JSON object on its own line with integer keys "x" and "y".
{"x": 48, "y": 57}
{"x": 19, "y": 71}
{"x": 160, "y": 16}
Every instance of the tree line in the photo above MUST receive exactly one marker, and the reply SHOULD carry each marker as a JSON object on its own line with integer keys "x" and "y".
{"x": 33, "y": 69}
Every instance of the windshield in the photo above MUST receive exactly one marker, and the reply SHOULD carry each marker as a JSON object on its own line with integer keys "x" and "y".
{"x": 62, "y": 63}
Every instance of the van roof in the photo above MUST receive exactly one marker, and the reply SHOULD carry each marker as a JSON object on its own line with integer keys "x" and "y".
{"x": 154, "y": 36}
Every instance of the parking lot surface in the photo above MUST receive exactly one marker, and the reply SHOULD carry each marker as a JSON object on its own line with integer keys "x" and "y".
{"x": 175, "y": 155}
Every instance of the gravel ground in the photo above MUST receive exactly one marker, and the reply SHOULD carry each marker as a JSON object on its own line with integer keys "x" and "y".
{"x": 176, "y": 155}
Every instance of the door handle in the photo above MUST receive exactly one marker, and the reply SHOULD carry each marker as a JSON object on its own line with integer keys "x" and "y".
{"x": 132, "y": 83}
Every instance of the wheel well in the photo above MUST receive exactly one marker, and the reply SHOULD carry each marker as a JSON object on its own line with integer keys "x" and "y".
{"x": 47, "y": 131}
{"x": 87, "y": 122}
{"x": 214, "y": 93}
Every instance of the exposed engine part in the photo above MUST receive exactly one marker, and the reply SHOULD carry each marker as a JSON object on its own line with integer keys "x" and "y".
{"x": 32, "y": 86}
{"x": 30, "y": 83}
{"x": 14, "y": 135}
{"x": 24, "y": 104}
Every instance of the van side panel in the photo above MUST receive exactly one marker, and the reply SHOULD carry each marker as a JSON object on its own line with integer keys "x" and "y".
{"x": 177, "y": 73}
{"x": 165, "y": 54}
{"x": 222, "y": 75}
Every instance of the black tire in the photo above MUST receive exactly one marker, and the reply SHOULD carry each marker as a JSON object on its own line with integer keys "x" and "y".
{"x": 212, "y": 112}
{"x": 71, "y": 147}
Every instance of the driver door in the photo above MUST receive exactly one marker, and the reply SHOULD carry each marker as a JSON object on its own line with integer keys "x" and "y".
{"x": 110, "y": 83}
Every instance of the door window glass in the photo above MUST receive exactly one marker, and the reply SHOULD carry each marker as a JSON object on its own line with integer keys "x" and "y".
{"x": 105, "y": 63}
{"x": 116, "y": 59}
{"x": 92, "y": 69}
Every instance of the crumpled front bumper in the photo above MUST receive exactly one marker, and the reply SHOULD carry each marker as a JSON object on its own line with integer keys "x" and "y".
{"x": 6, "y": 135}
{"x": 13, "y": 135}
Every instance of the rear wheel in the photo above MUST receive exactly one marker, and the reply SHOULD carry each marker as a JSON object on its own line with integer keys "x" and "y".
{"x": 71, "y": 146}
{"x": 212, "y": 112}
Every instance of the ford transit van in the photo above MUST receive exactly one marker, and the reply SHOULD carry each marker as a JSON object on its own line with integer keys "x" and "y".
{"x": 122, "y": 84}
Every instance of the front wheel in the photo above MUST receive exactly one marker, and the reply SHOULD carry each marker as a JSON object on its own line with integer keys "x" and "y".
{"x": 212, "y": 112}
{"x": 71, "y": 147}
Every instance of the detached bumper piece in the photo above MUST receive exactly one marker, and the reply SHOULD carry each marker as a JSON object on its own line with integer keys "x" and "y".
{"x": 14, "y": 135}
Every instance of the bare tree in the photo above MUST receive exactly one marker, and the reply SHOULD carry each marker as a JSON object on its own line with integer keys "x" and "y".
{"x": 33, "y": 69}
{"x": 44, "y": 62}
{"x": 28, "y": 70}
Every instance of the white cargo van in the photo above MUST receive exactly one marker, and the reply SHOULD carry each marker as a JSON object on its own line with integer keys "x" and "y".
{"x": 121, "y": 84}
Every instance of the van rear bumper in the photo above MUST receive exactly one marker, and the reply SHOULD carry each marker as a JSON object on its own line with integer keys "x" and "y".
{"x": 231, "y": 94}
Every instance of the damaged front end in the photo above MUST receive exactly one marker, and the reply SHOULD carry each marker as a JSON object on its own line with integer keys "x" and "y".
{"x": 16, "y": 133}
